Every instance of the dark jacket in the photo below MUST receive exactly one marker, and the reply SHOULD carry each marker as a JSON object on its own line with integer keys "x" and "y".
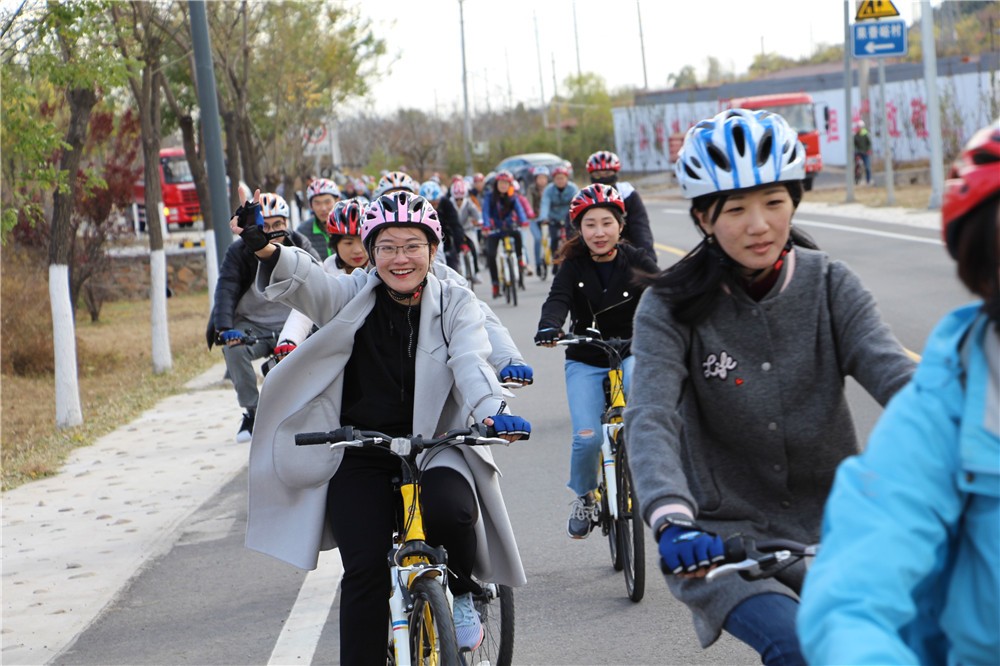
{"x": 637, "y": 229}
{"x": 452, "y": 229}
{"x": 576, "y": 290}
{"x": 236, "y": 275}
{"x": 315, "y": 232}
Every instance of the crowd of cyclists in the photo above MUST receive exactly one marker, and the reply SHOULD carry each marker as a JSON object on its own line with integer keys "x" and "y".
{"x": 737, "y": 419}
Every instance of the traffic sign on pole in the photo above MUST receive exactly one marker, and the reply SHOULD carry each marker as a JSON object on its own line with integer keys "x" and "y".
{"x": 875, "y": 9}
{"x": 876, "y": 40}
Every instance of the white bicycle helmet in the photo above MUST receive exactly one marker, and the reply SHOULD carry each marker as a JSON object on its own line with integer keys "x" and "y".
{"x": 738, "y": 149}
{"x": 322, "y": 186}
{"x": 395, "y": 180}
{"x": 272, "y": 205}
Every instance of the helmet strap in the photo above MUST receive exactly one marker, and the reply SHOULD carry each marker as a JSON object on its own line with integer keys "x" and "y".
{"x": 612, "y": 252}
{"x": 399, "y": 296}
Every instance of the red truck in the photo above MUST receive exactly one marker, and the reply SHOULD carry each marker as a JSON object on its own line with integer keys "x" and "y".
{"x": 180, "y": 200}
{"x": 799, "y": 111}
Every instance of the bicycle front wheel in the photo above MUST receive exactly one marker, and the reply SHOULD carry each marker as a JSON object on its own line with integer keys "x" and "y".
{"x": 497, "y": 616}
{"x": 631, "y": 538}
{"x": 432, "y": 629}
{"x": 512, "y": 284}
{"x": 609, "y": 527}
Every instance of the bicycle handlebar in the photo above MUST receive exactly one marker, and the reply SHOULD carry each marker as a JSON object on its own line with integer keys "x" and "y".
{"x": 350, "y": 436}
{"x": 615, "y": 346}
{"x": 755, "y": 560}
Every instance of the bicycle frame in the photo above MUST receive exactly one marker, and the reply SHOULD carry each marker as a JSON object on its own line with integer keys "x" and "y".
{"x": 612, "y": 425}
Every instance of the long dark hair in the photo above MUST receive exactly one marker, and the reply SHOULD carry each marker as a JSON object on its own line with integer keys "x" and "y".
{"x": 976, "y": 252}
{"x": 500, "y": 204}
{"x": 691, "y": 285}
{"x": 575, "y": 247}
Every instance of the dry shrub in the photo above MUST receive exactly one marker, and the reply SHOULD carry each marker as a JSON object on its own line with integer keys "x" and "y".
{"x": 26, "y": 321}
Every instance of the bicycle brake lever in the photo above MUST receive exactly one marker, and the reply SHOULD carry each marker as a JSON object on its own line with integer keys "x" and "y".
{"x": 746, "y": 565}
{"x": 345, "y": 445}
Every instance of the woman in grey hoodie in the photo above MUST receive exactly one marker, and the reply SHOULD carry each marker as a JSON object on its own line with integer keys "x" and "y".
{"x": 738, "y": 417}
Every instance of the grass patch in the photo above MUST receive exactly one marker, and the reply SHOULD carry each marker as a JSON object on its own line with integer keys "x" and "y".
{"x": 116, "y": 383}
{"x": 907, "y": 196}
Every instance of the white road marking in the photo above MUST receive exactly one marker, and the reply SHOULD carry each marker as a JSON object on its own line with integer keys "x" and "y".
{"x": 870, "y": 232}
{"x": 304, "y": 626}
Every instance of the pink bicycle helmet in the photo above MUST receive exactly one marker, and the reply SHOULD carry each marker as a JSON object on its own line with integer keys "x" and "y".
{"x": 459, "y": 189}
{"x": 560, "y": 170}
{"x": 396, "y": 180}
{"x": 603, "y": 160}
{"x": 400, "y": 209}
{"x": 322, "y": 186}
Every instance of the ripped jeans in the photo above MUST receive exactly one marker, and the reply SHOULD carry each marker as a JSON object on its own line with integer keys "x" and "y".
{"x": 585, "y": 394}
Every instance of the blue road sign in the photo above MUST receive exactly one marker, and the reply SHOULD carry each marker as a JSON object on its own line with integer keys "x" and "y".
{"x": 877, "y": 39}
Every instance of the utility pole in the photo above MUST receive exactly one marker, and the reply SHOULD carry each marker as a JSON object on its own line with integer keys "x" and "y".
{"x": 933, "y": 108}
{"x": 890, "y": 184}
{"x": 845, "y": 123}
{"x": 467, "y": 144}
{"x": 576, "y": 38}
{"x": 541, "y": 77}
{"x": 510, "y": 90}
{"x": 555, "y": 100}
{"x": 209, "y": 107}
{"x": 642, "y": 48}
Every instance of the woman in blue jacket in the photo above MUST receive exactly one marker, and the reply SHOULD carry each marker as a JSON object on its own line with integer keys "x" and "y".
{"x": 910, "y": 564}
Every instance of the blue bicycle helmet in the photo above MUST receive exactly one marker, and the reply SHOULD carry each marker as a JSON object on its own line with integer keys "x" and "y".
{"x": 431, "y": 190}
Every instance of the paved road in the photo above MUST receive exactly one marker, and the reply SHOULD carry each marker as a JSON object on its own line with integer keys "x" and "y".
{"x": 189, "y": 593}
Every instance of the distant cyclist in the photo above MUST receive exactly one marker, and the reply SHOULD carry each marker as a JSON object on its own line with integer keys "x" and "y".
{"x": 909, "y": 570}
{"x": 502, "y": 216}
{"x": 448, "y": 215}
{"x": 596, "y": 288}
{"x": 470, "y": 217}
{"x": 394, "y": 181}
{"x": 738, "y": 416}
{"x": 603, "y": 167}
{"x": 322, "y": 194}
{"x": 556, "y": 198}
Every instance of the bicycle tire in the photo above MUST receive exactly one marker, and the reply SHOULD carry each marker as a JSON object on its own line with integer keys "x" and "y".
{"x": 432, "y": 628}
{"x": 631, "y": 537}
{"x": 470, "y": 273}
{"x": 497, "y": 616}
{"x": 512, "y": 284}
{"x": 608, "y": 526}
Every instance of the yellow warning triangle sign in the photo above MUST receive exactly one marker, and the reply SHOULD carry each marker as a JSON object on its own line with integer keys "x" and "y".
{"x": 873, "y": 9}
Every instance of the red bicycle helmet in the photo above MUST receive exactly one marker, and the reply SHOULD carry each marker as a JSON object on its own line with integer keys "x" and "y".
{"x": 561, "y": 170}
{"x": 974, "y": 177}
{"x": 346, "y": 218}
{"x": 593, "y": 196}
{"x": 603, "y": 160}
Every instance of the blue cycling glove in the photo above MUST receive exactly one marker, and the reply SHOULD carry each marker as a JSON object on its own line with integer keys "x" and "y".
{"x": 686, "y": 549}
{"x": 232, "y": 335}
{"x": 508, "y": 424}
{"x": 518, "y": 372}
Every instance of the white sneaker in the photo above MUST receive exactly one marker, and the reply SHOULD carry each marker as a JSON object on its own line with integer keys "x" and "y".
{"x": 468, "y": 627}
{"x": 244, "y": 434}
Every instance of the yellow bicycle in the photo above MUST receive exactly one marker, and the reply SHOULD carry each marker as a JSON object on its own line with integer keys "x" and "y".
{"x": 618, "y": 507}
{"x": 422, "y": 630}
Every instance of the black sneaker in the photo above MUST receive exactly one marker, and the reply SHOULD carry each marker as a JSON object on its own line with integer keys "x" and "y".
{"x": 582, "y": 516}
{"x": 246, "y": 427}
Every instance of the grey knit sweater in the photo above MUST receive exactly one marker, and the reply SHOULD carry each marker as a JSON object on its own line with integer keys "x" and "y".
{"x": 743, "y": 417}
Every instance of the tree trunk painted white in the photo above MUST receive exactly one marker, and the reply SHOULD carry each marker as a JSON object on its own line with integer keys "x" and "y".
{"x": 162, "y": 361}
{"x": 212, "y": 268}
{"x": 68, "y": 412}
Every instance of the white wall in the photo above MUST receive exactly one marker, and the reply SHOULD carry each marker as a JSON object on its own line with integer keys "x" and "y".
{"x": 641, "y": 132}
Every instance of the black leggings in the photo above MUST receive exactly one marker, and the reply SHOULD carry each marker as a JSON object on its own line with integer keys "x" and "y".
{"x": 491, "y": 250}
{"x": 361, "y": 508}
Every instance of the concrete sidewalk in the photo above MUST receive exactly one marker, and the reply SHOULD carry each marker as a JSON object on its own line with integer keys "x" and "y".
{"x": 72, "y": 542}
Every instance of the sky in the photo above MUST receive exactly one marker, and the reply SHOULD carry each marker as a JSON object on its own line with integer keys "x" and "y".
{"x": 423, "y": 68}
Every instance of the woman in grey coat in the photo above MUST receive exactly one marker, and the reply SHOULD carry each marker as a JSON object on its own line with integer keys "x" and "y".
{"x": 398, "y": 351}
{"x": 737, "y": 418}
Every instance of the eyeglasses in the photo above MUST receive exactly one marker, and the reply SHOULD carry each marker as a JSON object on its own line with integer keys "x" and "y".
{"x": 277, "y": 225}
{"x": 390, "y": 251}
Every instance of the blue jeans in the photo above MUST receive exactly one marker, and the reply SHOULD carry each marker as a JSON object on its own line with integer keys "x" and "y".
{"x": 536, "y": 231}
{"x": 585, "y": 393}
{"x": 766, "y": 622}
